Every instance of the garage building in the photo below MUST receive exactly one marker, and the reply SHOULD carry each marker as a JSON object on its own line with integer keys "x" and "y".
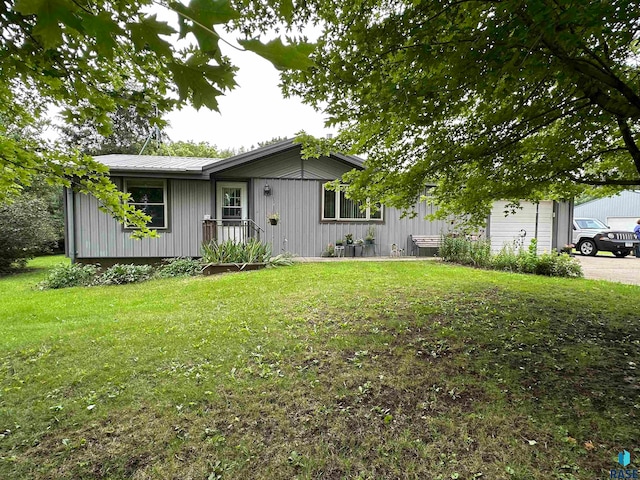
{"x": 620, "y": 212}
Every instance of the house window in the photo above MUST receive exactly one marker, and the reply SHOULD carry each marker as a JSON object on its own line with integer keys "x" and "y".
{"x": 336, "y": 206}
{"x": 231, "y": 203}
{"x": 150, "y": 197}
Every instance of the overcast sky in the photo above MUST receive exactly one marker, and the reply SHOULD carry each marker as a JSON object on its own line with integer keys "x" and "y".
{"x": 255, "y": 111}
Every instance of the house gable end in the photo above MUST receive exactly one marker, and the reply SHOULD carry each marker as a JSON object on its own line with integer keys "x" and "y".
{"x": 285, "y": 163}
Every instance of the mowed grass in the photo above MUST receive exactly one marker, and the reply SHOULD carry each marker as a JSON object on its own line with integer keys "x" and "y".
{"x": 333, "y": 370}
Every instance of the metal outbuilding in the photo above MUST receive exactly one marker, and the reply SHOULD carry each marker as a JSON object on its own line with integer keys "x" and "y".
{"x": 620, "y": 212}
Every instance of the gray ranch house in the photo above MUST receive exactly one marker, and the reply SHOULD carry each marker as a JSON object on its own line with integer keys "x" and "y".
{"x": 194, "y": 200}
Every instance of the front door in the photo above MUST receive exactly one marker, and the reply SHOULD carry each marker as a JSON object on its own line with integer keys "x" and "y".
{"x": 232, "y": 212}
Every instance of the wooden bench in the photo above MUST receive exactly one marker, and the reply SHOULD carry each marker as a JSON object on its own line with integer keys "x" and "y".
{"x": 418, "y": 242}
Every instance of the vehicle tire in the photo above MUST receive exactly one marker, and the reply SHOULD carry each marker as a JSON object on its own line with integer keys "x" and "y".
{"x": 588, "y": 247}
{"x": 622, "y": 253}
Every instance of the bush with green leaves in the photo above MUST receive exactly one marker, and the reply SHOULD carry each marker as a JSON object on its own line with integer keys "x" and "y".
{"x": 466, "y": 252}
{"x": 121, "y": 274}
{"x": 283, "y": 260}
{"x": 230, "y": 251}
{"x": 558, "y": 265}
{"x": 179, "y": 267}
{"x": 26, "y": 229}
{"x": 478, "y": 253}
{"x": 527, "y": 260}
{"x": 506, "y": 259}
{"x": 69, "y": 275}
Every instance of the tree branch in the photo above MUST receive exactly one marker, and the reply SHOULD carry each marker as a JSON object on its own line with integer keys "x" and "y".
{"x": 195, "y": 22}
{"x": 584, "y": 181}
{"x": 548, "y": 121}
{"x": 590, "y": 75}
{"x": 627, "y": 136}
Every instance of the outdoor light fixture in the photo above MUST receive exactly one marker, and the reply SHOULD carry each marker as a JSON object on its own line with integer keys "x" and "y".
{"x": 267, "y": 190}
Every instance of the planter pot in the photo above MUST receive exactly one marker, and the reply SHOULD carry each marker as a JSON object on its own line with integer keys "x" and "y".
{"x": 353, "y": 250}
{"x": 217, "y": 268}
{"x": 273, "y": 221}
{"x": 369, "y": 242}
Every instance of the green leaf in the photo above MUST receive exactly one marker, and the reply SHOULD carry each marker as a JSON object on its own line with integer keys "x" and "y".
{"x": 146, "y": 34}
{"x": 50, "y": 16}
{"x": 48, "y": 31}
{"x": 104, "y": 30}
{"x": 207, "y": 12}
{"x": 286, "y": 9}
{"x": 29, "y": 7}
{"x": 283, "y": 57}
{"x": 223, "y": 76}
{"x": 192, "y": 84}
{"x": 207, "y": 41}
{"x": 198, "y": 18}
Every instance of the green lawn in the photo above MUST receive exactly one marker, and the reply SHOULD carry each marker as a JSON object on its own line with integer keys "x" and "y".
{"x": 332, "y": 370}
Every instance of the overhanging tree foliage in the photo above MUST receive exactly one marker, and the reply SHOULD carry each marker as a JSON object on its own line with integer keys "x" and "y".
{"x": 90, "y": 58}
{"x": 485, "y": 99}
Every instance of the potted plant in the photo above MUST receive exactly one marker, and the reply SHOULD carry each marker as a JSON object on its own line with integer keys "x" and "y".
{"x": 274, "y": 218}
{"x": 349, "y": 238}
{"x": 568, "y": 248}
{"x": 330, "y": 251}
{"x": 370, "y": 238}
{"x": 339, "y": 243}
{"x": 358, "y": 241}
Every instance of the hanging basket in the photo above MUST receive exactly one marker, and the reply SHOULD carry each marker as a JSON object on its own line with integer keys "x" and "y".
{"x": 273, "y": 221}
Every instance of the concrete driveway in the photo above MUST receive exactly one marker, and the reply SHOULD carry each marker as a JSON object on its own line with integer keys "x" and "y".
{"x": 623, "y": 270}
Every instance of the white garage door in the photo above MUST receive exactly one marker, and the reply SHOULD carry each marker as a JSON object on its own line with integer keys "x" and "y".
{"x": 622, "y": 223}
{"x": 521, "y": 226}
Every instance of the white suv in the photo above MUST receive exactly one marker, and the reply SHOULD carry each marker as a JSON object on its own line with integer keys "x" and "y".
{"x": 591, "y": 235}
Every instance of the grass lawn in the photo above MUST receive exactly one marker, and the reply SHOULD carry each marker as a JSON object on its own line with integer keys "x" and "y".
{"x": 332, "y": 370}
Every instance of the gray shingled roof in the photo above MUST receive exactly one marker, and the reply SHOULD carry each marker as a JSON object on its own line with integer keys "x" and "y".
{"x": 155, "y": 163}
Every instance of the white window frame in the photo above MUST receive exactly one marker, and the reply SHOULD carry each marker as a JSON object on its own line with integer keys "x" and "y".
{"x": 132, "y": 182}
{"x": 337, "y": 218}
{"x": 244, "y": 199}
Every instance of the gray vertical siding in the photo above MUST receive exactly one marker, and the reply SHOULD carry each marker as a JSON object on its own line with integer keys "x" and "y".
{"x": 283, "y": 164}
{"x": 296, "y": 195}
{"x": 564, "y": 224}
{"x": 300, "y": 230}
{"x": 625, "y": 204}
{"x": 100, "y": 236}
{"x": 289, "y": 164}
{"x": 323, "y": 168}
